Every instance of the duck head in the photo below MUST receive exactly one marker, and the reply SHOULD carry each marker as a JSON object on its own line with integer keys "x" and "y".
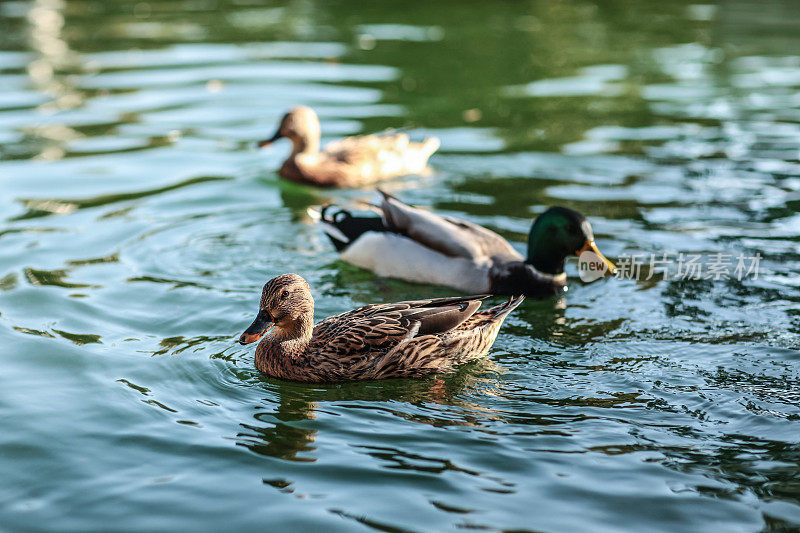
{"x": 558, "y": 233}
{"x": 287, "y": 305}
{"x": 301, "y": 126}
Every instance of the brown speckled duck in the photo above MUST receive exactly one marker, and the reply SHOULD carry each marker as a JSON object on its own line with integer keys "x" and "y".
{"x": 350, "y": 162}
{"x": 404, "y": 339}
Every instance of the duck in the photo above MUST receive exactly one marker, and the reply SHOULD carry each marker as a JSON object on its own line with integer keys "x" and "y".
{"x": 350, "y": 162}
{"x": 412, "y": 244}
{"x": 376, "y": 341}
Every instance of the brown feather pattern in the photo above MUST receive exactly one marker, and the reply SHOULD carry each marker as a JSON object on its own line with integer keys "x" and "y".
{"x": 403, "y": 339}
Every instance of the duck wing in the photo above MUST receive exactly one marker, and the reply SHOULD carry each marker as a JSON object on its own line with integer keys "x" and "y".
{"x": 376, "y": 329}
{"x": 448, "y": 235}
{"x": 367, "y": 148}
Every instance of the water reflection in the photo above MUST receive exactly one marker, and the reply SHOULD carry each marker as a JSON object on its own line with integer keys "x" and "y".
{"x": 282, "y": 428}
{"x": 39, "y": 207}
{"x": 283, "y": 436}
{"x": 51, "y": 74}
{"x": 672, "y": 126}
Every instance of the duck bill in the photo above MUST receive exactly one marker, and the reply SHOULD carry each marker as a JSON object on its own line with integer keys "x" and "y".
{"x": 257, "y": 329}
{"x": 590, "y": 246}
{"x": 267, "y": 142}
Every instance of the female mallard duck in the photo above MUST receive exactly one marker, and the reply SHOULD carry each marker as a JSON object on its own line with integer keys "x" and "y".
{"x": 404, "y": 339}
{"x": 350, "y": 162}
{"x": 416, "y": 245}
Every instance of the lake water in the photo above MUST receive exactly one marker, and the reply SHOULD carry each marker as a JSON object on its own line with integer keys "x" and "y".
{"x": 138, "y": 224}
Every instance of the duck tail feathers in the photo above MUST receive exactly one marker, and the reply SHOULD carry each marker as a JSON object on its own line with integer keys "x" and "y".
{"x": 501, "y": 311}
{"x": 430, "y": 145}
{"x": 386, "y": 195}
{"x": 326, "y": 220}
{"x": 343, "y": 228}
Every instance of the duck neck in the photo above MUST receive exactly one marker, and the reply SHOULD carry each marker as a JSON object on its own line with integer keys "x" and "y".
{"x": 517, "y": 277}
{"x": 284, "y": 343}
{"x": 545, "y": 259}
{"x": 305, "y": 144}
{"x": 545, "y": 254}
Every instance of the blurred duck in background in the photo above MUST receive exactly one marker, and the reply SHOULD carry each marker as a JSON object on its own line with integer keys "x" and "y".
{"x": 351, "y": 162}
{"x": 408, "y": 243}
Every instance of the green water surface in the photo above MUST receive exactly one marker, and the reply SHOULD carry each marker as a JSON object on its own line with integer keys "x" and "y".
{"x": 138, "y": 224}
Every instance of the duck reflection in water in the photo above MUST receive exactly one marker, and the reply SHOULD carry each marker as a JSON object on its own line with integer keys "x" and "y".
{"x": 284, "y": 424}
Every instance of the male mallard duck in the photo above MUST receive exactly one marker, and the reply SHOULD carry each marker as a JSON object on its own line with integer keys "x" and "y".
{"x": 350, "y": 162}
{"x": 416, "y": 245}
{"x": 404, "y": 339}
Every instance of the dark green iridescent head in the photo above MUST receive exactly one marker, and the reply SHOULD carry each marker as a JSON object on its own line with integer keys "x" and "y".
{"x": 555, "y": 235}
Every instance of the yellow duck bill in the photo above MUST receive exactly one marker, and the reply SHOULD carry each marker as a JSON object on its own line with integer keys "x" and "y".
{"x": 590, "y": 246}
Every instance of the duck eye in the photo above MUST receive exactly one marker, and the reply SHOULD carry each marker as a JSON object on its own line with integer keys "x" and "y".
{"x": 284, "y": 295}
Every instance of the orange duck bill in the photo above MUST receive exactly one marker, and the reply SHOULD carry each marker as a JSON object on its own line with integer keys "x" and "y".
{"x": 267, "y": 142}
{"x": 257, "y": 329}
{"x": 590, "y": 246}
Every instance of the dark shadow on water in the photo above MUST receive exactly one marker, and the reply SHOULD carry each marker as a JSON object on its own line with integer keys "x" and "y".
{"x": 53, "y": 278}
